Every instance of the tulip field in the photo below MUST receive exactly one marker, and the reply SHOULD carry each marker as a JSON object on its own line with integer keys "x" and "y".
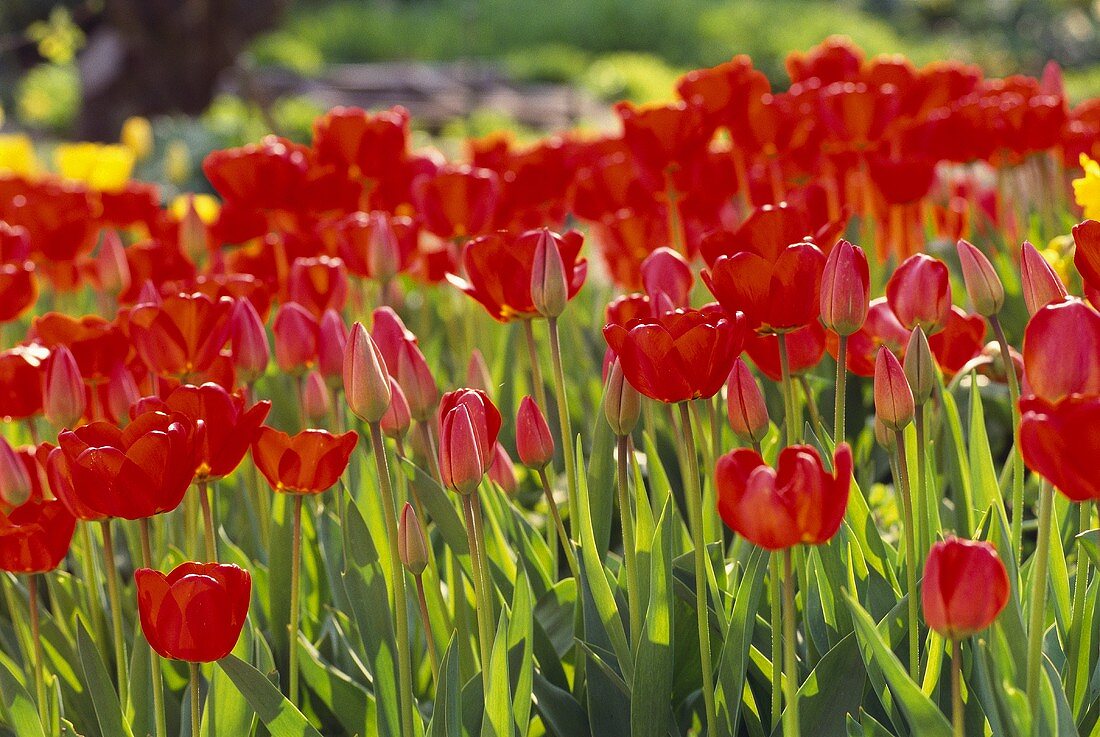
{"x": 770, "y": 410}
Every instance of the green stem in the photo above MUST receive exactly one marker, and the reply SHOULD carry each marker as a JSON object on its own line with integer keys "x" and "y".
{"x": 295, "y": 595}
{"x": 841, "y": 396}
{"x": 91, "y": 571}
{"x": 1017, "y": 527}
{"x": 110, "y": 571}
{"x": 920, "y": 494}
{"x": 910, "y": 555}
{"x": 1077, "y": 620}
{"x": 811, "y": 405}
{"x": 536, "y": 372}
{"x": 196, "y": 707}
{"x": 570, "y": 556}
{"x": 793, "y": 434}
{"x": 775, "y": 594}
{"x": 426, "y": 622}
{"x": 36, "y": 641}
{"x": 484, "y": 610}
{"x": 693, "y": 499}
{"x": 154, "y": 658}
{"x": 958, "y": 719}
{"x": 397, "y": 574}
{"x": 210, "y": 539}
{"x": 1038, "y": 604}
{"x": 790, "y": 659}
{"x": 563, "y": 417}
{"x": 630, "y": 552}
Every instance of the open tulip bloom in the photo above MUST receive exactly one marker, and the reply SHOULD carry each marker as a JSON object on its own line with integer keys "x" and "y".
{"x": 801, "y": 383}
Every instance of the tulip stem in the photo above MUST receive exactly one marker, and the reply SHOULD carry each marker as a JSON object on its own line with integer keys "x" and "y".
{"x": 570, "y": 556}
{"x": 910, "y": 554}
{"x": 154, "y": 658}
{"x": 921, "y": 501}
{"x": 1038, "y": 602}
{"x": 841, "y": 395}
{"x": 630, "y": 553}
{"x": 790, "y": 659}
{"x": 563, "y": 417}
{"x": 36, "y": 640}
{"x": 295, "y": 595}
{"x": 91, "y": 570}
{"x": 958, "y": 719}
{"x": 536, "y": 373}
{"x": 207, "y": 522}
{"x": 694, "y": 502}
{"x": 792, "y": 420}
{"x": 484, "y": 610}
{"x": 1077, "y": 620}
{"x": 196, "y": 706}
{"x": 1017, "y": 458}
{"x": 397, "y": 575}
{"x": 775, "y": 573}
{"x": 426, "y": 621}
{"x": 110, "y": 571}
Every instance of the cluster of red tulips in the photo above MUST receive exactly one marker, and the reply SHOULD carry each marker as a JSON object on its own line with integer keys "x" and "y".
{"x": 155, "y": 401}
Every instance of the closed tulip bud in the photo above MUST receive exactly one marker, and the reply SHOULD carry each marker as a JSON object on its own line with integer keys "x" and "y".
{"x": 667, "y": 278}
{"x": 549, "y": 282}
{"x": 748, "y": 413}
{"x": 477, "y": 372}
{"x": 111, "y": 267}
{"x": 383, "y": 256}
{"x": 502, "y": 471}
{"x": 884, "y": 436}
{"x": 965, "y": 587}
{"x": 396, "y": 421}
{"x": 332, "y": 337}
{"x": 366, "y": 380}
{"x": 122, "y": 391}
{"x": 534, "y": 443}
{"x": 920, "y": 366}
{"x": 845, "y": 284}
{"x": 621, "y": 402}
{"x": 63, "y": 396}
{"x": 461, "y": 464}
{"x": 316, "y": 399}
{"x": 15, "y": 482}
{"x": 919, "y": 293}
{"x": 248, "y": 339}
{"x": 416, "y": 379}
{"x": 295, "y": 331}
{"x": 1041, "y": 284}
{"x": 411, "y": 545}
{"x": 148, "y": 294}
{"x": 987, "y": 294}
{"x": 893, "y": 398}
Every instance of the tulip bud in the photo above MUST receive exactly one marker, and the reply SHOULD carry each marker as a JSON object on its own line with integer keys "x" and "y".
{"x": 411, "y": 545}
{"x": 148, "y": 294}
{"x": 549, "y": 282}
{"x": 416, "y": 379}
{"x": 844, "y": 289}
{"x": 667, "y": 278}
{"x": 248, "y": 338}
{"x": 111, "y": 267}
{"x": 893, "y": 398}
{"x": 366, "y": 381}
{"x": 502, "y": 472}
{"x": 748, "y": 414}
{"x": 396, "y": 421}
{"x": 919, "y": 293}
{"x": 477, "y": 372}
{"x": 122, "y": 391}
{"x": 316, "y": 399}
{"x": 884, "y": 436}
{"x": 295, "y": 338}
{"x": 383, "y": 256}
{"x": 621, "y": 402}
{"x": 63, "y": 397}
{"x": 987, "y": 294}
{"x": 965, "y": 587}
{"x": 460, "y": 463}
{"x": 920, "y": 366}
{"x": 332, "y": 337}
{"x": 15, "y": 482}
{"x": 534, "y": 443}
{"x": 1041, "y": 284}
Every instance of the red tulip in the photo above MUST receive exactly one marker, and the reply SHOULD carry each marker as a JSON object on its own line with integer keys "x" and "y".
{"x": 15, "y": 243}
{"x": 21, "y": 370}
{"x": 412, "y": 547}
{"x": 1062, "y": 351}
{"x": 296, "y": 338}
{"x": 667, "y": 279}
{"x": 534, "y": 443}
{"x": 919, "y": 293}
{"x": 183, "y": 335}
{"x": 796, "y": 502}
{"x": 1086, "y": 256}
{"x": 96, "y": 344}
{"x": 15, "y": 479}
{"x": 965, "y": 587}
{"x": 35, "y": 537}
{"x": 405, "y": 363}
{"x": 366, "y": 379}
{"x": 395, "y": 423}
{"x": 307, "y": 463}
{"x": 469, "y": 423}
{"x": 369, "y": 145}
{"x": 316, "y": 398}
{"x": 502, "y": 471}
{"x": 987, "y": 294}
{"x": 746, "y": 408}
{"x": 248, "y": 338}
{"x": 805, "y": 348}
{"x": 1059, "y": 441}
{"x": 63, "y": 392}
{"x": 960, "y": 340}
{"x": 375, "y": 245}
{"x": 196, "y": 612}
{"x": 679, "y": 356}
{"x": 894, "y": 403}
{"x": 880, "y": 329}
{"x": 269, "y": 175}
{"x": 319, "y": 284}
{"x": 660, "y": 136}
{"x": 621, "y": 402}
{"x": 1041, "y": 284}
{"x": 845, "y": 284}
{"x": 478, "y": 375}
{"x": 18, "y": 289}
{"x": 550, "y": 284}
{"x": 456, "y": 201}
{"x": 332, "y": 338}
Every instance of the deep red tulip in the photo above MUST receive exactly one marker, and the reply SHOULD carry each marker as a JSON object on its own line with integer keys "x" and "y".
{"x": 1059, "y": 441}
{"x": 96, "y": 344}
{"x": 1041, "y": 284}
{"x": 319, "y": 284}
{"x": 960, "y": 340}
{"x": 746, "y": 408}
{"x": 18, "y": 289}
{"x": 919, "y": 293}
{"x": 627, "y": 307}
{"x": 64, "y": 398}
{"x": 805, "y": 348}
{"x": 667, "y": 278}
{"x": 796, "y": 502}
{"x": 456, "y": 201}
{"x": 894, "y": 403}
{"x": 845, "y": 285}
{"x": 534, "y": 443}
{"x": 182, "y": 335}
{"x": 248, "y": 338}
{"x": 307, "y": 463}
{"x": 406, "y": 363}
{"x": 1062, "y": 351}
{"x": 368, "y": 145}
{"x": 880, "y": 329}
{"x": 35, "y": 537}
{"x": 661, "y": 136}
{"x": 965, "y": 587}
{"x": 296, "y": 337}
{"x": 196, "y": 612}
{"x": 332, "y": 338}
{"x": 15, "y": 243}
{"x": 1086, "y": 255}
{"x": 469, "y": 424}
{"x": 269, "y": 175}
{"x": 21, "y": 371}
{"x": 502, "y": 471}
{"x": 679, "y": 356}
{"x": 376, "y": 245}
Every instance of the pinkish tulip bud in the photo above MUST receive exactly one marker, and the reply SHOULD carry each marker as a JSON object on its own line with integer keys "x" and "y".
{"x": 894, "y": 404}
{"x": 621, "y": 402}
{"x": 15, "y": 482}
{"x": 534, "y": 443}
{"x": 148, "y": 294}
{"x": 549, "y": 282}
{"x": 111, "y": 267}
{"x": 416, "y": 379}
{"x": 884, "y": 436}
{"x": 920, "y": 366}
{"x": 987, "y": 294}
{"x": 332, "y": 337}
{"x": 383, "y": 257}
{"x": 1041, "y": 284}
{"x": 63, "y": 397}
{"x": 845, "y": 284}
{"x": 460, "y": 456}
{"x": 366, "y": 380}
{"x": 502, "y": 472}
{"x": 396, "y": 421}
{"x": 667, "y": 278}
{"x": 248, "y": 338}
{"x": 477, "y": 372}
{"x": 748, "y": 413}
{"x": 316, "y": 399}
{"x": 122, "y": 391}
{"x": 412, "y": 547}
{"x": 295, "y": 331}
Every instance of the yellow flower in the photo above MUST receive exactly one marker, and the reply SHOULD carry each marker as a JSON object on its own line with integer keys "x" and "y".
{"x": 137, "y": 135}
{"x": 17, "y": 155}
{"x": 104, "y": 167}
{"x": 1086, "y": 190}
{"x": 206, "y": 207}
{"x": 1059, "y": 254}
{"x": 177, "y": 162}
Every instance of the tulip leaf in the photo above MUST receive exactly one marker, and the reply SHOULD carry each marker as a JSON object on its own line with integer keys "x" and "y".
{"x": 651, "y": 688}
{"x": 347, "y": 701}
{"x": 983, "y": 475}
{"x": 226, "y": 710}
{"x": 833, "y": 690}
{"x": 1089, "y": 541}
{"x": 497, "y": 720}
{"x": 18, "y": 706}
{"x": 438, "y": 507}
{"x": 281, "y": 717}
{"x": 520, "y": 651}
{"x": 733, "y": 665}
{"x": 447, "y": 713}
{"x": 958, "y": 466}
{"x": 107, "y": 709}
{"x": 601, "y": 482}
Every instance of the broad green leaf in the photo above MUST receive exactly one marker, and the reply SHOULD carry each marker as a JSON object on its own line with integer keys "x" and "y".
{"x": 733, "y": 662}
{"x": 497, "y": 720}
{"x": 447, "y": 714}
{"x": 439, "y": 507}
{"x": 107, "y": 709}
{"x": 226, "y": 710}
{"x": 651, "y": 688}
{"x": 279, "y": 715}
{"x": 832, "y": 691}
{"x": 521, "y": 652}
{"x": 18, "y": 705}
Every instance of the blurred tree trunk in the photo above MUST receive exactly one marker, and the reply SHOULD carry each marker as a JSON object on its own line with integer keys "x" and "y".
{"x": 149, "y": 57}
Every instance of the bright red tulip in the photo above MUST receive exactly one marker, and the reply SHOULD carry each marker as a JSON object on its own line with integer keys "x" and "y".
{"x": 332, "y": 339}
{"x": 919, "y": 293}
{"x": 469, "y": 424}
{"x": 21, "y": 370}
{"x": 746, "y": 408}
{"x": 880, "y": 329}
{"x": 1041, "y": 284}
{"x": 406, "y": 363}
{"x": 196, "y": 612}
{"x": 96, "y": 344}
{"x": 1086, "y": 255}
{"x": 661, "y": 136}
{"x": 667, "y": 278}
{"x": 18, "y": 289}
{"x": 366, "y": 379}
{"x": 679, "y": 356}
{"x": 894, "y": 403}
{"x": 319, "y": 284}
{"x": 182, "y": 335}
{"x": 534, "y": 443}
{"x": 965, "y": 587}
{"x": 845, "y": 285}
{"x": 35, "y": 537}
{"x": 307, "y": 463}
{"x": 805, "y": 348}
{"x": 1059, "y": 441}
{"x": 502, "y": 471}
{"x": 456, "y": 201}
{"x": 64, "y": 398}
{"x": 796, "y": 502}
{"x": 960, "y": 340}
{"x": 296, "y": 338}
{"x": 368, "y": 145}
{"x": 375, "y": 245}
{"x": 1062, "y": 351}
{"x": 396, "y": 421}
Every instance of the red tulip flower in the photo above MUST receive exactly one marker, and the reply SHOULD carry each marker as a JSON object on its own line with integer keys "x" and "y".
{"x": 248, "y": 341}
{"x": 1086, "y": 255}
{"x": 369, "y": 145}
{"x": 406, "y": 363}
{"x": 746, "y": 408}
{"x": 534, "y": 443}
{"x": 961, "y": 339}
{"x": 307, "y": 463}
{"x": 894, "y": 403}
{"x": 1062, "y": 351}
{"x": 1041, "y": 284}
{"x": 319, "y": 284}
{"x": 682, "y": 355}
{"x": 196, "y": 612}
{"x": 182, "y": 335}
{"x": 469, "y": 424}
{"x": 35, "y": 537}
{"x": 96, "y": 344}
{"x": 805, "y": 348}
{"x": 845, "y": 284}
{"x": 796, "y": 502}
{"x": 661, "y": 136}
{"x": 667, "y": 279}
{"x": 965, "y": 587}
{"x": 21, "y": 370}
{"x": 376, "y": 245}
{"x": 919, "y": 293}
{"x": 881, "y": 328}
{"x": 18, "y": 289}
{"x": 456, "y": 201}
{"x": 296, "y": 338}
{"x": 64, "y": 396}
{"x": 1059, "y": 441}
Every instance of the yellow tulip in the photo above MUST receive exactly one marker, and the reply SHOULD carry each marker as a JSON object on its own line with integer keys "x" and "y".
{"x": 137, "y": 135}
{"x": 1086, "y": 190}
{"x": 17, "y": 155}
{"x": 103, "y": 167}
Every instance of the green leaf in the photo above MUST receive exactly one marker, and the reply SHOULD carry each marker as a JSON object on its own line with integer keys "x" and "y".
{"x": 438, "y": 505}
{"x": 735, "y": 650}
{"x": 107, "y": 709}
{"x": 497, "y": 719}
{"x": 520, "y": 652}
{"x": 833, "y": 690}
{"x": 226, "y": 710}
{"x": 447, "y": 714}
{"x": 279, "y": 715}
{"x": 651, "y": 689}
{"x": 18, "y": 705}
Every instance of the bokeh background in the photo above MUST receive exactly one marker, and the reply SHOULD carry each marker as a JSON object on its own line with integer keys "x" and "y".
{"x": 215, "y": 73}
